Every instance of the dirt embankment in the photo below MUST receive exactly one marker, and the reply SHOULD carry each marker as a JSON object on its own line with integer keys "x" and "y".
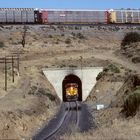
{"x": 111, "y": 89}
{"x": 25, "y": 109}
{"x": 132, "y": 52}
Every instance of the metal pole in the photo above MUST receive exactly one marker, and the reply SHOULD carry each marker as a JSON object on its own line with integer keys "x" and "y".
{"x": 5, "y": 74}
{"x": 13, "y": 79}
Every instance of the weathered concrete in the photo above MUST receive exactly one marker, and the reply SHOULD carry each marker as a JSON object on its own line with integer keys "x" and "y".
{"x": 87, "y": 75}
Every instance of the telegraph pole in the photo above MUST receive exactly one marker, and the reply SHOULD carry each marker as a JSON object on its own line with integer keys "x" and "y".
{"x": 5, "y": 74}
{"x": 13, "y": 79}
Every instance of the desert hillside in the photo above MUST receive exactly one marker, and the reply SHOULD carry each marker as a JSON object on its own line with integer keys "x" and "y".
{"x": 31, "y": 100}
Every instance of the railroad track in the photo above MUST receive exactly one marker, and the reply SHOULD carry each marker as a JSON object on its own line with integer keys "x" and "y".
{"x": 70, "y": 114}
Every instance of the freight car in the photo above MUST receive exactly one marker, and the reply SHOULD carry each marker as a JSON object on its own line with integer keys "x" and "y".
{"x": 90, "y": 16}
{"x": 124, "y": 16}
{"x": 74, "y": 16}
{"x": 17, "y": 15}
{"x": 53, "y": 16}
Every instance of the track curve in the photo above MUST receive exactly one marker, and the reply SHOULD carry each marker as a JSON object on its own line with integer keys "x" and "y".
{"x": 70, "y": 114}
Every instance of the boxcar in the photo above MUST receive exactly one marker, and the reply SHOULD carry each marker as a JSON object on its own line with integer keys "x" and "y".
{"x": 30, "y": 15}
{"x": 74, "y": 16}
{"x": 17, "y": 15}
{"x": 44, "y": 16}
{"x": 10, "y": 16}
{"x": 2, "y": 16}
{"x": 125, "y": 16}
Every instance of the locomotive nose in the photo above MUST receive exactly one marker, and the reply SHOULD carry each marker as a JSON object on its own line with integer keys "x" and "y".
{"x": 72, "y": 88}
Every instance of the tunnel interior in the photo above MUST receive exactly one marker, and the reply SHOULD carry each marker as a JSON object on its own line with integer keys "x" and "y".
{"x": 75, "y": 80}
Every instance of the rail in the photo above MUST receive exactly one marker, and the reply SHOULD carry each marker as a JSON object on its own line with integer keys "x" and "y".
{"x": 69, "y": 107}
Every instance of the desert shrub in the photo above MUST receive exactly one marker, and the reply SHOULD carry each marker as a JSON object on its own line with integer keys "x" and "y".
{"x": 68, "y": 41}
{"x": 69, "y": 46}
{"x": 62, "y": 65}
{"x": 130, "y": 38}
{"x": 62, "y": 35}
{"x": 34, "y": 90}
{"x": 100, "y": 75}
{"x": 80, "y": 36}
{"x": 136, "y": 59}
{"x": 111, "y": 67}
{"x": 78, "y": 28}
{"x": 57, "y": 41}
{"x": 2, "y": 45}
{"x": 73, "y": 34}
{"x": 132, "y": 102}
{"x": 50, "y": 36}
{"x": 72, "y": 66}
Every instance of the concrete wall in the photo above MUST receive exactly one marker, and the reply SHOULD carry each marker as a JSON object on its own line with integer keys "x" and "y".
{"x": 87, "y": 76}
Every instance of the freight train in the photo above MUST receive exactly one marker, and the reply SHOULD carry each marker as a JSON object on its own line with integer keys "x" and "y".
{"x": 55, "y": 16}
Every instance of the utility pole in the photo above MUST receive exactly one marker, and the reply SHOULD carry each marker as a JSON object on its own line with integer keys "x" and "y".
{"x": 18, "y": 62}
{"x": 5, "y": 74}
{"x": 9, "y": 60}
{"x": 13, "y": 79}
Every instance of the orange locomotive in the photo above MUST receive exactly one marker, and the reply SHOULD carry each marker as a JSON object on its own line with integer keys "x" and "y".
{"x": 71, "y": 91}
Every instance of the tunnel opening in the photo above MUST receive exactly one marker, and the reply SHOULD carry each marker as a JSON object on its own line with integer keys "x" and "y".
{"x": 72, "y": 88}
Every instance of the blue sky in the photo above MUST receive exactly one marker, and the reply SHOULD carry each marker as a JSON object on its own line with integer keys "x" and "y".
{"x": 70, "y": 4}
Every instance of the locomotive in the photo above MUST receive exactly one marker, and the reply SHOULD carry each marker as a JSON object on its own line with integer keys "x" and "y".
{"x": 60, "y": 16}
{"x": 71, "y": 91}
{"x": 72, "y": 88}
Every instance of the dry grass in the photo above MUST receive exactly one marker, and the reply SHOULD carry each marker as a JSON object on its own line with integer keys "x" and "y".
{"x": 118, "y": 130}
{"x": 42, "y": 51}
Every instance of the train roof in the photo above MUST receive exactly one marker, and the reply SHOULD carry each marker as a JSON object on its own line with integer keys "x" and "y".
{"x": 70, "y": 10}
{"x": 17, "y": 9}
{"x": 124, "y": 10}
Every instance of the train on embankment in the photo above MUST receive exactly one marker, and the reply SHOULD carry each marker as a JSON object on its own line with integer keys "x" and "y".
{"x": 62, "y": 16}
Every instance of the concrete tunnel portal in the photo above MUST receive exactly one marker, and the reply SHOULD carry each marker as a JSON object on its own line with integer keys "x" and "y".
{"x": 85, "y": 78}
{"x": 71, "y": 78}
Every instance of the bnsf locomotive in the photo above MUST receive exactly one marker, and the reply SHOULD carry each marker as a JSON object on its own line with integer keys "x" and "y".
{"x": 71, "y": 91}
{"x": 54, "y": 16}
{"x": 72, "y": 88}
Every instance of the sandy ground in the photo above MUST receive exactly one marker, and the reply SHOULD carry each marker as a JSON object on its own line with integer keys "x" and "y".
{"x": 31, "y": 100}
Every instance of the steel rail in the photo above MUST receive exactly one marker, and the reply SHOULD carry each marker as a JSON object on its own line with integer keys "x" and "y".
{"x": 77, "y": 114}
{"x": 61, "y": 123}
